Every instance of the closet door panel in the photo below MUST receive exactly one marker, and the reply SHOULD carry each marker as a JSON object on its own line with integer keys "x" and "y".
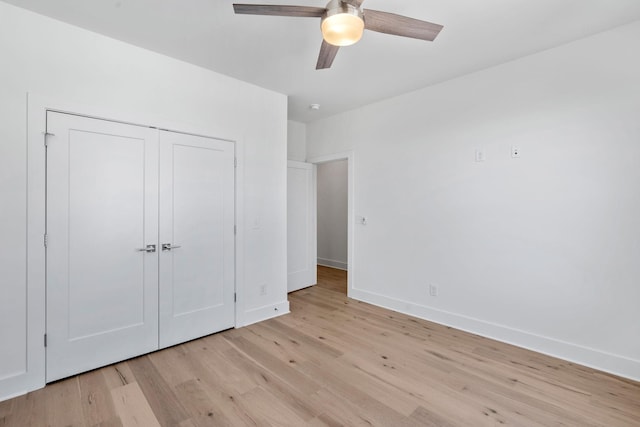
{"x": 102, "y": 294}
{"x": 197, "y": 212}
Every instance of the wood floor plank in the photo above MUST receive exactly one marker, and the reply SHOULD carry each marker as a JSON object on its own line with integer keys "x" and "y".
{"x": 117, "y": 375}
{"x": 358, "y": 374}
{"x": 289, "y": 341}
{"x": 332, "y": 279}
{"x": 338, "y": 410}
{"x": 353, "y": 391}
{"x": 63, "y": 404}
{"x": 203, "y": 411}
{"x": 422, "y": 416}
{"x": 132, "y": 407}
{"x": 165, "y": 405}
{"x": 217, "y": 369}
{"x": 269, "y": 410}
{"x": 231, "y": 406}
{"x": 279, "y": 367}
{"x": 113, "y": 422}
{"x": 97, "y": 404}
{"x": 222, "y": 390}
{"x": 265, "y": 379}
{"x": 6, "y": 408}
{"x": 172, "y": 363}
{"x": 29, "y": 410}
{"x": 188, "y": 423}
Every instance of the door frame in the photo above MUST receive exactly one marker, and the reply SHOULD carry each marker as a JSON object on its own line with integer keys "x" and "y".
{"x": 34, "y": 375}
{"x": 350, "y": 158}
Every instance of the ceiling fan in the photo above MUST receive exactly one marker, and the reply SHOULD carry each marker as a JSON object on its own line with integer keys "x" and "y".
{"x": 343, "y": 22}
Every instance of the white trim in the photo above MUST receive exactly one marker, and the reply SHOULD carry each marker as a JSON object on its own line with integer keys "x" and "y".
{"x": 33, "y": 377}
{"x": 131, "y": 117}
{"x": 596, "y": 359}
{"x": 351, "y": 191}
{"x": 341, "y": 265}
{"x": 265, "y": 312}
{"x": 239, "y": 276}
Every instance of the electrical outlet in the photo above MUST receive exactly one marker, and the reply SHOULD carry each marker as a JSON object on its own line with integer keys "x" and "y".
{"x": 263, "y": 289}
{"x": 433, "y": 290}
{"x": 480, "y": 156}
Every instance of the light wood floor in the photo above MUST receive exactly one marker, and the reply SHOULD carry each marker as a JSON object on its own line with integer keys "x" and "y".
{"x": 335, "y": 361}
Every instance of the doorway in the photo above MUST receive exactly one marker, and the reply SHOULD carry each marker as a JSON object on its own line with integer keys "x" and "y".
{"x": 335, "y": 213}
{"x": 332, "y": 200}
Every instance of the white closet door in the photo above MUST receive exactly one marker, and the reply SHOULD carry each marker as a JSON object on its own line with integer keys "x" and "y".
{"x": 102, "y": 294}
{"x": 301, "y": 225}
{"x": 197, "y": 210}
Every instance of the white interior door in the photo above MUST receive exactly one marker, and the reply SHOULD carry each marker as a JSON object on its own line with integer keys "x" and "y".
{"x": 102, "y": 285}
{"x": 301, "y": 225}
{"x": 197, "y": 210}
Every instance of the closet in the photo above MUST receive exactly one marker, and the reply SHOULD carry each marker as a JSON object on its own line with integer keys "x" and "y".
{"x": 140, "y": 240}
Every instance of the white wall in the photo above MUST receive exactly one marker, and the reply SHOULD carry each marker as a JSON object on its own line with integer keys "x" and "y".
{"x": 55, "y": 60}
{"x": 332, "y": 214}
{"x": 296, "y": 141}
{"x": 542, "y": 251}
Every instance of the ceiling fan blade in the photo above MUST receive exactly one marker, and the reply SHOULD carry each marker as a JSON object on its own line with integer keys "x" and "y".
{"x": 390, "y": 23}
{"x": 327, "y": 54}
{"x": 354, "y": 3}
{"x": 276, "y": 10}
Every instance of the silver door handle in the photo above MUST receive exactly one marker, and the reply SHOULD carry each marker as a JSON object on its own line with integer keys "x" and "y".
{"x": 149, "y": 248}
{"x": 169, "y": 246}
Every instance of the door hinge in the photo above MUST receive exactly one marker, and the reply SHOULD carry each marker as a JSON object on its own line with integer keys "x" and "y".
{"x": 235, "y": 297}
{"x": 45, "y": 340}
{"x": 46, "y": 240}
{"x": 46, "y": 134}
{"x": 235, "y": 162}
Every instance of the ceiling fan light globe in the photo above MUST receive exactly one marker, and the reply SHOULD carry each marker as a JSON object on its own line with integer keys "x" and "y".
{"x": 342, "y": 29}
{"x": 342, "y": 23}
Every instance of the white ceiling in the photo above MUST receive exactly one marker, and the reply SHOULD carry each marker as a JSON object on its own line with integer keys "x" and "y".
{"x": 280, "y": 53}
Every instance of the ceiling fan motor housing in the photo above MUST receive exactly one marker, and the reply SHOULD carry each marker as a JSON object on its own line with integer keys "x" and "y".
{"x": 342, "y": 24}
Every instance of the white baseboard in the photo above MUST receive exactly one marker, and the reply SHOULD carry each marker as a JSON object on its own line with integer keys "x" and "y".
{"x": 333, "y": 263}
{"x": 265, "y": 312}
{"x": 596, "y": 359}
